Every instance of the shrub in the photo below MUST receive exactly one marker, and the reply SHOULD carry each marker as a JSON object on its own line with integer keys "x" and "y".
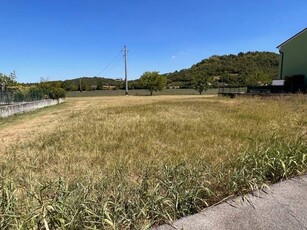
{"x": 57, "y": 93}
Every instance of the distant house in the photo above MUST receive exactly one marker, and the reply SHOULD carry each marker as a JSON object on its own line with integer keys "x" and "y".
{"x": 171, "y": 86}
{"x": 293, "y": 59}
{"x": 109, "y": 87}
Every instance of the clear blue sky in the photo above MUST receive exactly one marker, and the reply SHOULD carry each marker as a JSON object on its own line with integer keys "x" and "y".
{"x": 64, "y": 39}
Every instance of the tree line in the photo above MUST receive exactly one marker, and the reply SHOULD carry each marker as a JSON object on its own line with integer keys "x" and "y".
{"x": 29, "y": 92}
{"x": 243, "y": 69}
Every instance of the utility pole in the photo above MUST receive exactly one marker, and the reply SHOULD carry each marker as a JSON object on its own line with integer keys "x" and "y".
{"x": 126, "y": 78}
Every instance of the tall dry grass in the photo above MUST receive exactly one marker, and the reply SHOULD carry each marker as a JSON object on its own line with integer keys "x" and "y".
{"x": 131, "y": 163}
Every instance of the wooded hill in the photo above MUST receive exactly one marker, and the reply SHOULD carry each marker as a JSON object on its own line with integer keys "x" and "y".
{"x": 92, "y": 83}
{"x": 251, "y": 68}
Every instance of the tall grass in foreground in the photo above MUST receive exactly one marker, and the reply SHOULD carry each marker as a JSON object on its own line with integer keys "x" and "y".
{"x": 136, "y": 166}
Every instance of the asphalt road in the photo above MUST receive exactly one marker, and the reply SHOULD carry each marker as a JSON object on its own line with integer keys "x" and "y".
{"x": 283, "y": 206}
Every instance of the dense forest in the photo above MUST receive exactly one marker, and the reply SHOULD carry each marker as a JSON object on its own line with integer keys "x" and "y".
{"x": 251, "y": 68}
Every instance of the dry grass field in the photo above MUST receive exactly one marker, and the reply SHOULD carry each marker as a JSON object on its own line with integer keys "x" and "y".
{"x": 135, "y": 162}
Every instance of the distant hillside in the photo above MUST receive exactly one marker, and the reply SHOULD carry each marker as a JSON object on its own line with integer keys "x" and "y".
{"x": 251, "y": 68}
{"x": 90, "y": 83}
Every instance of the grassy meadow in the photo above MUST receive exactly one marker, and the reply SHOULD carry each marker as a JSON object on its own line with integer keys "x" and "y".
{"x": 136, "y": 162}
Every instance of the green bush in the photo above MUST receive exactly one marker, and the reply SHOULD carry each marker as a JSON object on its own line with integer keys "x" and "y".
{"x": 57, "y": 93}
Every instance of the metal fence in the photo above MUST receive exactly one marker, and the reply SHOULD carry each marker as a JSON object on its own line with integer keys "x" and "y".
{"x": 232, "y": 90}
{"x": 6, "y": 97}
{"x": 262, "y": 90}
{"x": 11, "y": 97}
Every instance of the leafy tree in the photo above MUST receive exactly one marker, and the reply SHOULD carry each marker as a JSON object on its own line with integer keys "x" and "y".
{"x": 70, "y": 86}
{"x": 100, "y": 85}
{"x": 57, "y": 93}
{"x": 152, "y": 81}
{"x": 232, "y": 79}
{"x": 135, "y": 84}
{"x": 257, "y": 78}
{"x": 200, "y": 83}
{"x": 6, "y": 81}
{"x": 49, "y": 89}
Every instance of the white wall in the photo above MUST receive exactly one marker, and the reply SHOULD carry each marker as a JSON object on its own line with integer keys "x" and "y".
{"x": 9, "y": 110}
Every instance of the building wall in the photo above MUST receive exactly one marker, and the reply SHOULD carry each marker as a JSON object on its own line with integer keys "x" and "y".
{"x": 294, "y": 57}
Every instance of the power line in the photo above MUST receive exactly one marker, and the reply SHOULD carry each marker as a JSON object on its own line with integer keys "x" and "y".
{"x": 113, "y": 60}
